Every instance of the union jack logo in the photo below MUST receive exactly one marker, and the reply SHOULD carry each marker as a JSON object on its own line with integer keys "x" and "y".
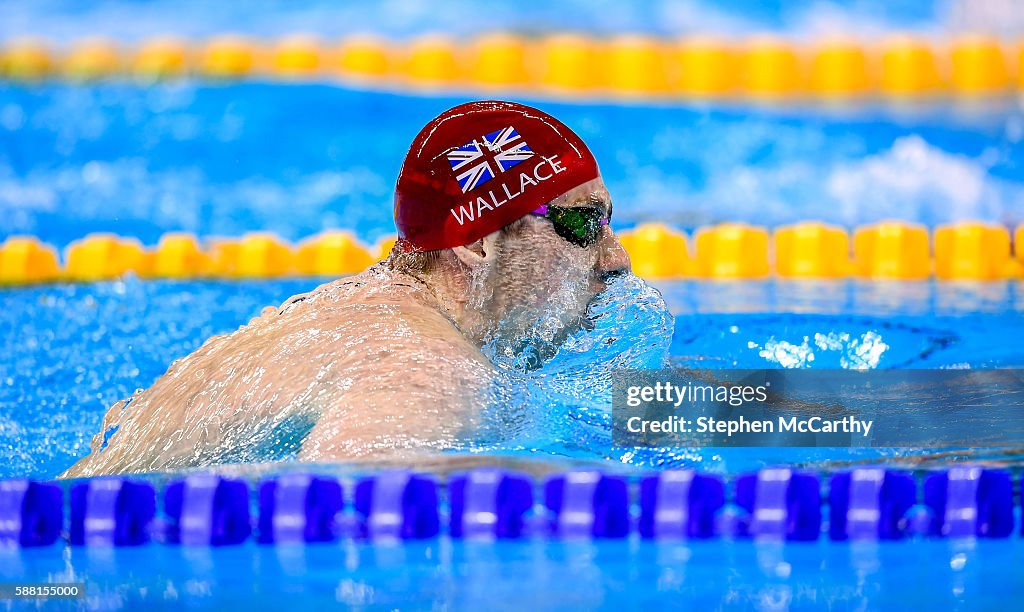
{"x": 480, "y": 160}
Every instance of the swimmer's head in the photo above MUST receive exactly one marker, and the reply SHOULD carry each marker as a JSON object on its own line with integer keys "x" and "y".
{"x": 480, "y": 166}
{"x": 504, "y": 205}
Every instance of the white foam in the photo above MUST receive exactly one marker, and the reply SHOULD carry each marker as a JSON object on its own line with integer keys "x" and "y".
{"x": 786, "y": 354}
{"x": 863, "y": 352}
{"x": 916, "y": 180}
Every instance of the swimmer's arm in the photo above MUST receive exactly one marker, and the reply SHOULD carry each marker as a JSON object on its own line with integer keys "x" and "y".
{"x": 397, "y": 409}
{"x": 160, "y": 427}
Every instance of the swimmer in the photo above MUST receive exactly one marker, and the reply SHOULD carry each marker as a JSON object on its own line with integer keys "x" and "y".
{"x": 503, "y": 230}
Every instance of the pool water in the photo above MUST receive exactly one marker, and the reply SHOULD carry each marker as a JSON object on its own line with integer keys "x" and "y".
{"x": 226, "y": 159}
{"x": 132, "y": 20}
{"x": 561, "y": 575}
{"x": 73, "y": 350}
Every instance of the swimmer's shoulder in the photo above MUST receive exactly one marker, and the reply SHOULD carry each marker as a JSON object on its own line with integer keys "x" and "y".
{"x": 393, "y": 317}
{"x": 349, "y": 289}
{"x": 392, "y": 304}
{"x": 375, "y": 285}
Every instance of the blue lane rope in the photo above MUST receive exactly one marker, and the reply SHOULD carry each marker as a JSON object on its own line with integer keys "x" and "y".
{"x": 870, "y": 503}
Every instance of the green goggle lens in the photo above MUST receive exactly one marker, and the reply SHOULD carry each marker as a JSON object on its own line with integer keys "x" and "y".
{"x": 580, "y": 226}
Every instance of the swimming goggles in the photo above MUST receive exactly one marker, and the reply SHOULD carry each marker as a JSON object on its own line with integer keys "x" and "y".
{"x": 579, "y": 225}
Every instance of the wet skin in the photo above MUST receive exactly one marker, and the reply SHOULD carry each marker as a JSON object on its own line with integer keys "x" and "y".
{"x": 382, "y": 366}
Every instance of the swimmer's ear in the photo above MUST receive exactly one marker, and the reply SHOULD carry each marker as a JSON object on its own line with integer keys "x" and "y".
{"x": 478, "y": 253}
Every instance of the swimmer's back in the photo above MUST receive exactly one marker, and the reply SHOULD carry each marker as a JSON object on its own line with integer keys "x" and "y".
{"x": 370, "y": 358}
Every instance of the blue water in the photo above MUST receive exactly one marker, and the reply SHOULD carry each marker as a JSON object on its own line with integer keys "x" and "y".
{"x": 132, "y": 20}
{"x": 216, "y": 161}
{"x": 545, "y": 576}
{"x": 223, "y": 160}
{"x": 73, "y": 350}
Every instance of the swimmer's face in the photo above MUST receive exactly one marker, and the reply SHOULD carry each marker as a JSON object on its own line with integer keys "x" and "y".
{"x": 541, "y": 277}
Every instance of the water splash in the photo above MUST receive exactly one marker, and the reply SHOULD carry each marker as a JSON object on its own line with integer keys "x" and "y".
{"x": 564, "y": 407}
{"x": 855, "y": 353}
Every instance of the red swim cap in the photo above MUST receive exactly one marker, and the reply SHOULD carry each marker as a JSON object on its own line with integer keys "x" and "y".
{"x": 480, "y": 166}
